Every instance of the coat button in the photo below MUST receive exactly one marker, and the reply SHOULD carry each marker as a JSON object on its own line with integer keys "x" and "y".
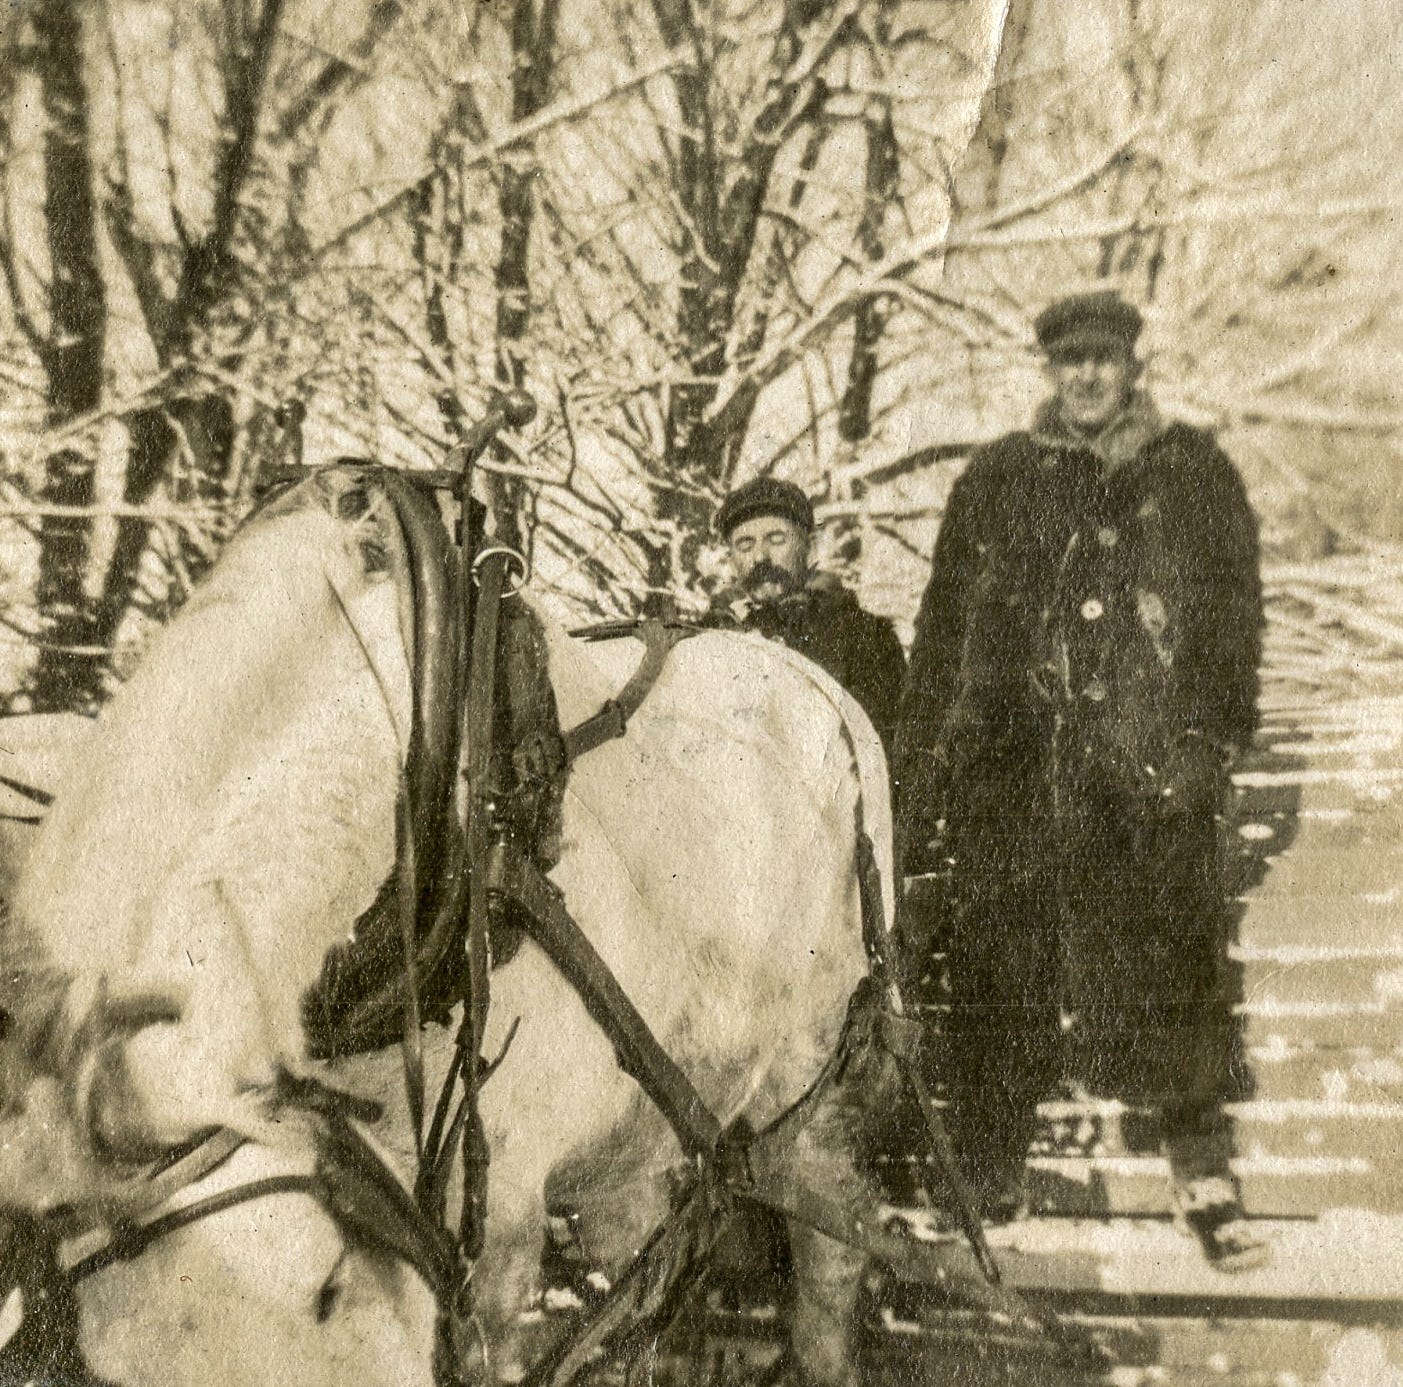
{"x": 1107, "y": 537}
{"x": 1092, "y": 610}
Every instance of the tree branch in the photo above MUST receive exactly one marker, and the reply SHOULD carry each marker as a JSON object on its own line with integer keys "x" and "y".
{"x": 338, "y": 75}
{"x": 211, "y": 260}
{"x": 560, "y": 113}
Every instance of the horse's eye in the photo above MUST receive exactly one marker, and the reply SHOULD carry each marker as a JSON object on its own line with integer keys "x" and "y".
{"x": 327, "y": 1297}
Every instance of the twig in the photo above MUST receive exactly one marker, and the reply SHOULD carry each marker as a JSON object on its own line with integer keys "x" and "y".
{"x": 517, "y": 133}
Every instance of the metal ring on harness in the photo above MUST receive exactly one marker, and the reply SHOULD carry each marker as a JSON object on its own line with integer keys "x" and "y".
{"x": 523, "y": 568}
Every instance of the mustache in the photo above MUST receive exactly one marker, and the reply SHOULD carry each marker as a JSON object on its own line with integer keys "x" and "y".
{"x": 766, "y": 572}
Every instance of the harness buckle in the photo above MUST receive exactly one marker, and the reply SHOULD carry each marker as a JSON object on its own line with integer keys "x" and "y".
{"x": 731, "y": 1160}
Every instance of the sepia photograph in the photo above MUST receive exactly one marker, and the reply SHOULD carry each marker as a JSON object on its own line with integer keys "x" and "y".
{"x": 701, "y": 693}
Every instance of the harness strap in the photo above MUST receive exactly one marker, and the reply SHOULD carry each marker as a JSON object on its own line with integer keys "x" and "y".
{"x": 866, "y": 1225}
{"x": 186, "y": 1167}
{"x": 367, "y": 1200}
{"x": 640, "y": 1055}
{"x": 480, "y": 714}
{"x": 353, "y": 1004}
{"x": 611, "y": 721}
{"x": 131, "y": 1240}
{"x": 350, "y": 1181}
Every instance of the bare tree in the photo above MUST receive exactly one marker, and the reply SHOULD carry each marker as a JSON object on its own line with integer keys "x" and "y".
{"x": 739, "y": 242}
{"x": 173, "y": 145}
{"x": 67, "y": 331}
{"x": 63, "y": 307}
{"x": 718, "y": 238}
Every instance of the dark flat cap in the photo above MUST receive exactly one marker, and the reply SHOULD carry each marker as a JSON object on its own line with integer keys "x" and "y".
{"x": 1085, "y": 322}
{"x": 764, "y": 496}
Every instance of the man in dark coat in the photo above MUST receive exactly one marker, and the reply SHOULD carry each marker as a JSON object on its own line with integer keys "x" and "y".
{"x": 768, "y": 525}
{"x": 1083, "y": 674}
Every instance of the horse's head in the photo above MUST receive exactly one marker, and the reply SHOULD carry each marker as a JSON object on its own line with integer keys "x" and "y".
{"x": 268, "y": 1288}
{"x": 231, "y": 816}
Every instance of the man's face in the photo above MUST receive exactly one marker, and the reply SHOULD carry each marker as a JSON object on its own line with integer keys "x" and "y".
{"x": 1093, "y": 387}
{"x": 769, "y": 555}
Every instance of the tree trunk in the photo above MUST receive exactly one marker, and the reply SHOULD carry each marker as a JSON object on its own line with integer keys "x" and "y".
{"x": 197, "y": 424}
{"x": 69, "y": 671}
{"x": 204, "y": 424}
{"x": 881, "y": 179}
{"x": 722, "y": 207}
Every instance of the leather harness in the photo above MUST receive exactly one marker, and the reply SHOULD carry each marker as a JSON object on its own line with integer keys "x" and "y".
{"x": 447, "y": 915}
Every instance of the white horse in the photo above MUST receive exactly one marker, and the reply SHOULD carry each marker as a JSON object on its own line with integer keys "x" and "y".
{"x": 229, "y": 817}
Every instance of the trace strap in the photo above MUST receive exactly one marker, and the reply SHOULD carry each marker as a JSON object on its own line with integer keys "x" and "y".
{"x": 639, "y": 1052}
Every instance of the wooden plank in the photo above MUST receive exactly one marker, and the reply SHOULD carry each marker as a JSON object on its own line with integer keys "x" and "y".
{"x": 1323, "y": 1127}
{"x": 1303, "y": 869}
{"x": 1290, "y": 708}
{"x": 1343, "y": 1025}
{"x": 1358, "y": 1074}
{"x": 1320, "y": 842}
{"x": 1303, "y": 920}
{"x": 1346, "y": 1255}
{"x": 1183, "y": 1342}
{"x": 1354, "y": 616}
{"x": 1273, "y": 1186}
{"x": 1363, "y": 975}
{"x": 1285, "y": 795}
{"x": 1362, "y": 780}
{"x": 1347, "y": 744}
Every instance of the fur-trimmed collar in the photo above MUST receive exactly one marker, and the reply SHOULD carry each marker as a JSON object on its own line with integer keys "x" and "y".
{"x": 1121, "y": 440}
{"x": 739, "y": 604}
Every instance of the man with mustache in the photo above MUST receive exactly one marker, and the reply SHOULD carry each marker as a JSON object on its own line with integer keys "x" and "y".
{"x": 768, "y": 525}
{"x": 1083, "y": 674}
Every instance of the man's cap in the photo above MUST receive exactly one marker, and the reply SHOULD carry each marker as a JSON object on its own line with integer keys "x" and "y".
{"x": 764, "y": 496}
{"x": 1087, "y": 323}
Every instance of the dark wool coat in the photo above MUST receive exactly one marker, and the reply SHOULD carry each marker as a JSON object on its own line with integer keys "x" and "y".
{"x": 824, "y": 621}
{"x": 1085, "y": 662}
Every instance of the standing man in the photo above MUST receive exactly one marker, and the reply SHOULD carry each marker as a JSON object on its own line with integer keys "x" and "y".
{"x": 1083, "y": 674}
{"x": 768, "y": 526}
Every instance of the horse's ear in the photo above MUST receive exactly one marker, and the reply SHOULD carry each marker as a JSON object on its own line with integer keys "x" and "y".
{"x": 110, "y": 1107}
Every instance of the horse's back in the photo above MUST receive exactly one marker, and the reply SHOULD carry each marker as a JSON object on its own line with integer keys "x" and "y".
{"x": 710, "y": 855}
